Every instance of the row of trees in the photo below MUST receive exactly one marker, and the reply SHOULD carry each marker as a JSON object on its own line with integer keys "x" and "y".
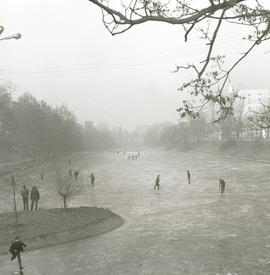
{"x": 32, "y": 128}
{"x": 192, "y": 132}
{"x": 182, "y": 135}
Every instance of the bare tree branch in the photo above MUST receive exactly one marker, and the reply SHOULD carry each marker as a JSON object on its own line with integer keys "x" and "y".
{"x": 180, "y": 12}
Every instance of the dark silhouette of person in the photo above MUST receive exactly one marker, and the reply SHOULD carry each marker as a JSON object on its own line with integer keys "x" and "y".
{"x": 69, "y": 162}
{"x": 221, "y": 185}
{"x": 157, "y": 185}
{"x": 76, "y": 174}
{"x": 136, "y": 157}
{"x": 41, "y": 176}
{"x": 34, "y": 196}
{"x": 138, "y": 153}
{"x": 132, "y": 157}
{"x": 129, "y": 157}
{"x": 25, "y": 197}
{"x": 92, "y": 177}
{"x": 16, "y": 248}
{"x": 70, "y": 172}
{"x": 188, "y": 176}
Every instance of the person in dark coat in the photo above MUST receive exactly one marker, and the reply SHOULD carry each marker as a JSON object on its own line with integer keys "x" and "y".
{"x": 25, "y": 197}
{"x": 76, "y": 174}
{"x": 221, "y": 185}
{"x": 34, "y": 196}
{"x": 92, "y": 177}
{"x": 157, "y": 182}
{"x": 16, "y": 249}
{"x": 188, "y": 176}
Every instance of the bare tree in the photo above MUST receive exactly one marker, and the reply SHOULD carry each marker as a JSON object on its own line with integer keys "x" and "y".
{"x": 260, "y": 119}
{"x": 205, "y": 17}
{"x": 8, "y": 186}
{"x": 67, "y": 186}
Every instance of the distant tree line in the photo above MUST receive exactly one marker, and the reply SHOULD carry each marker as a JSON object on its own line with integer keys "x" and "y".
{"x": 192, "y": 132}
{"x": 30, "y": 128}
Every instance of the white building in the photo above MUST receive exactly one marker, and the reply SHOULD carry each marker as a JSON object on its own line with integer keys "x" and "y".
{"x": 251, "y": 99}
{"x": 254, "y": 99}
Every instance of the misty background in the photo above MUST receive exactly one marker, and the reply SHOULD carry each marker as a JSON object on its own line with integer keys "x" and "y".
{"x": 67, "y": 56}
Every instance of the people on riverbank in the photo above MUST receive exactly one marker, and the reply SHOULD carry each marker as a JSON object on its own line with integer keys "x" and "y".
{"x": 25, "y": 197}
{"x": 221, "y": 186}
{"x": 92, "y": 177}
{"x": 70, "y": 172}
{"x": 188, "y": 176}
{"x": 34, "y": 196}
{"x": 157, "y": 183}
{"x": 16, "y": 248}
{"x": 76, "y": 174}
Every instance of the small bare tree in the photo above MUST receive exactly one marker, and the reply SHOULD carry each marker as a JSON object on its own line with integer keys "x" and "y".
{"x": 8, "y": 186}
{"x": 67, "y": 186}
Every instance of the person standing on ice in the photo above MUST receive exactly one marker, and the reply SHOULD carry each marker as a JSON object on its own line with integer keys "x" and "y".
{"x": 76, "y": 174}
{"x": 221, "y": 186}
{"x": 92, "y": 177}
{"x": 157, "y": 185}
{"x": 188, "y": 176}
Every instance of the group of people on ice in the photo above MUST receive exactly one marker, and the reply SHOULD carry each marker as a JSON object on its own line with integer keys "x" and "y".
{"x": 132, "y": 155}
{"x": 76, "y": 175}
{"x": 221, "y": 182}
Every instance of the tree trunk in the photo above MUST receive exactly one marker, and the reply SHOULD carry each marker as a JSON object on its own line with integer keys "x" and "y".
{"x": 13, "y": 183}
{"x": 65, "y": 202}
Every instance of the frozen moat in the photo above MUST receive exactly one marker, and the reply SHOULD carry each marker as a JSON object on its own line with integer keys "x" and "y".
{"x": 181, "y": 229}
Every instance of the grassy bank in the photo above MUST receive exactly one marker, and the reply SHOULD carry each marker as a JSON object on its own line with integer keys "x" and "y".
{"x": 31, "y": 176}
{"x": 47, "y": 227}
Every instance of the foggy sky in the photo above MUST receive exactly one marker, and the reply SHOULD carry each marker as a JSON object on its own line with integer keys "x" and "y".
{"x": 67, "y": 56}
